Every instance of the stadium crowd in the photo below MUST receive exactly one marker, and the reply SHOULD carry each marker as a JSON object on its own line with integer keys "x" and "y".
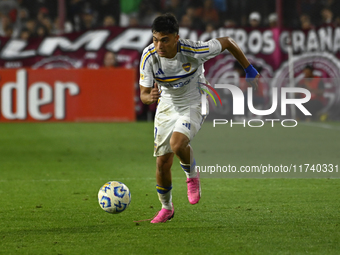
{"x": 37, "y": 18}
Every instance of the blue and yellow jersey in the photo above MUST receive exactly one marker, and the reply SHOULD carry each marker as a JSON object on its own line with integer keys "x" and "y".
{"x": 178, "y": 77}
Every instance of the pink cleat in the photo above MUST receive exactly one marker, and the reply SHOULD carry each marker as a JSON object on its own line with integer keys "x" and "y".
{"x": 194, "y": 189}
{"x": 164, "y": 215}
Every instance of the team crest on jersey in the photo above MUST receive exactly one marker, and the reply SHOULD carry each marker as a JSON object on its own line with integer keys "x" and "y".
{"x": 142, "y": 76}
{"x": 186, "y": 67}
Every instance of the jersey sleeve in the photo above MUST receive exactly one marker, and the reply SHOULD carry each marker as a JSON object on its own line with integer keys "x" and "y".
{"x": 145, "y": 69}
{"x": 201, "y": 50}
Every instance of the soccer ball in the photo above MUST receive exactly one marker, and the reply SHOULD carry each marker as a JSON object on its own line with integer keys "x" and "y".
{"x": 114, "y": 197}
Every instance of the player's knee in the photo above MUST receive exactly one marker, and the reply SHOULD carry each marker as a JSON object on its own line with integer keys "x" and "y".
{"x": 160, "y": 164}
{"x": 178, "y": 145}
{"x": 163, "y": 163}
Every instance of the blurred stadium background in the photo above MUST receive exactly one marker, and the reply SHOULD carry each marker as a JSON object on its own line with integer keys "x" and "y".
{"x": 107, "y": 36}
{"x": 77, "y": 61}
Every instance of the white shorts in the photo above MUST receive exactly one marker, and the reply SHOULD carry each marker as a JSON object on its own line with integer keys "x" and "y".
{"x": 169, "y": 118}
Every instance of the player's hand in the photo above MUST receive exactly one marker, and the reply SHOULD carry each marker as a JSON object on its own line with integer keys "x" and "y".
{"x": 252, "y": 76}
{"x": 254, "y": 82}
{"x": 154, "y": 94}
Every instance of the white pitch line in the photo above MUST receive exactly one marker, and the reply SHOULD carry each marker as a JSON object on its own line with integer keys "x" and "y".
{"x": 101, "y": 179}
{"x": 320, "y": 125}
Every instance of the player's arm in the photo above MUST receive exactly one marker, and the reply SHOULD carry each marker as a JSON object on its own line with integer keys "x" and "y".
{"x": 320, "y": 89}
{"x": 229, "y": 44}
{"x": 149, "y": 95}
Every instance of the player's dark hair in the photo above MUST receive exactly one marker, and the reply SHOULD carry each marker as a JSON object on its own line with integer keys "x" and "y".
{"x": 309, "y": 67}
{"x": 165, "y": 23}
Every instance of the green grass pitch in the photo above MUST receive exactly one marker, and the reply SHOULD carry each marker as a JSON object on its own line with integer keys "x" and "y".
{"x": 50, "y": 174}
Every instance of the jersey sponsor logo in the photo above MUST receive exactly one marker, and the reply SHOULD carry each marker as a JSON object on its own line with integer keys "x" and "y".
{"x": 187, "y": 67}
{"x": 180, "y": 84}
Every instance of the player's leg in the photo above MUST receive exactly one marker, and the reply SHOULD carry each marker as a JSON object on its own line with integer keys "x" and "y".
{"x": 164, "y": 186}
{"x": 186, "y": 127}
{"x": 164, "y": 181}
{"x": 165, "y": 120}
{"x": 180, "y": 146}
{"x": 179, "y": 143}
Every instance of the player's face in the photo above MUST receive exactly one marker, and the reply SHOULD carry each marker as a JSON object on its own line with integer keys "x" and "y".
{"x": 308, "y": 73}
{"x": 165, "y": 44}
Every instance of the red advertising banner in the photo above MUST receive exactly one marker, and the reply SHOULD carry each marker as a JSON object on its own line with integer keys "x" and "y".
{"x": 67, "y": 95}
{"x": 87, "y": 49}
{"x": 267, "y": 49}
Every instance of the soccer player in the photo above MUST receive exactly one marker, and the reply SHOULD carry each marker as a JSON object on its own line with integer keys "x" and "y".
{"x": 171, "y": 72}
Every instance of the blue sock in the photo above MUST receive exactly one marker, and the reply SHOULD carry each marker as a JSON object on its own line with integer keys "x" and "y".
{"x": 189, "y": 170}
{"x": 163, "y": 190}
